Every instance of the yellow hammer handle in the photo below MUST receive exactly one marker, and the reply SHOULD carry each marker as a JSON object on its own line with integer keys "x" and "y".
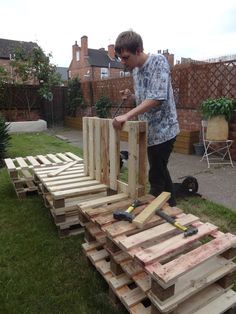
{"x": 129, "y": 209}
{"x": 177, "y": 225}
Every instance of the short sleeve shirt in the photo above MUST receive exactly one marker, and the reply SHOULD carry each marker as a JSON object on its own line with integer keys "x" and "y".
{"x": 153, "y": 81}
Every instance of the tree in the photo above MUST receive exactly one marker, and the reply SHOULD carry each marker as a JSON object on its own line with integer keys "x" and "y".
{"x": 34, "y": 67}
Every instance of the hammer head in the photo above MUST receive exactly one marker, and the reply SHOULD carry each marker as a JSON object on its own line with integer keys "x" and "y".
{"x": 123, "y": 215}
{"x": 190, "y": 231}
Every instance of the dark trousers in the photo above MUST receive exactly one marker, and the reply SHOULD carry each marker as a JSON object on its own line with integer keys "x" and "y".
{"x": 159, "y": 176}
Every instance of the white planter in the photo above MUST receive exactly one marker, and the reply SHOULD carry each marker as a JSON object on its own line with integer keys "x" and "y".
{"x": 27, "y": 126}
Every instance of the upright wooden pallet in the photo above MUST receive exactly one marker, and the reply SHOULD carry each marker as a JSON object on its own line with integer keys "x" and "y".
{"x": 97, "y": 179}
{"x": 21, "y": 169}
{"x": 157, "y": 269}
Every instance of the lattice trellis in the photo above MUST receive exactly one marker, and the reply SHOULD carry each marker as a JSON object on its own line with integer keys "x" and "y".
{"x": 193, "y": 83}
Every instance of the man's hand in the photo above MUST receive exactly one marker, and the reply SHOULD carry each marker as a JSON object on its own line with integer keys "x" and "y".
{"x": 126, "y": 94}
{"x": 118, "y": 121}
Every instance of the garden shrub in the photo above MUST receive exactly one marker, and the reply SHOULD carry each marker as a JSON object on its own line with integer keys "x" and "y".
{"x": 102, "y": 106}
{"x": 4, "y": 139}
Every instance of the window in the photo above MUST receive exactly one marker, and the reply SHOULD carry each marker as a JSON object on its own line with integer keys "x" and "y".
{"x": 69, "y": 74}
{"x": 104, "y": 73}
{"x": 124, "y": 73}
{"x": 77, "y": 55}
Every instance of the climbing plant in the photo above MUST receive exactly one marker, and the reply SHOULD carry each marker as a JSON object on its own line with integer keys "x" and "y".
{"x": 75, "y": 97}
{"x": 102, "y": 107}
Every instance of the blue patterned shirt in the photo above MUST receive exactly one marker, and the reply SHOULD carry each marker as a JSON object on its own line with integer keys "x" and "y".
{"x": 153, "y": 81}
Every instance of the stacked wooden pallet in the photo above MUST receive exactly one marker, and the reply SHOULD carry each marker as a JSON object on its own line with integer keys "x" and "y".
{"x": 95, "y": 180}
{"x": 185, "y": 140}
{"x": 156, "y": 269}
{"x": 21, "y": 169}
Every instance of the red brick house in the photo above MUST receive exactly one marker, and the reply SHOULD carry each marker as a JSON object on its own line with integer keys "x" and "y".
{"x": 94, "y": 64}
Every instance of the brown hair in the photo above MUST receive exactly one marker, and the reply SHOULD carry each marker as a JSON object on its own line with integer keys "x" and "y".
{"x": 129, "y": 41}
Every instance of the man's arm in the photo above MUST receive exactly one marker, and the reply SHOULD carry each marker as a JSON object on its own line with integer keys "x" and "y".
{"x": 143, "y": 107}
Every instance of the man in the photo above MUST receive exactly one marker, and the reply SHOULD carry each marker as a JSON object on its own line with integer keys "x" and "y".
{"x": 154, "y": 104}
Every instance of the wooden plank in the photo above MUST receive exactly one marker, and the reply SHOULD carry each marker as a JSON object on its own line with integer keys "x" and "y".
{"x": 22, "y": 163}
{"x": 105, "y": 151}
{"x": 114, "y": 153}
{"x": 156, "y": 252}
{"x": 75, "y": 171}
{"x": 122, "y": 204}
{"x": 142, "y": 166}
{"x": 134, "y": 297}
{"x": 109, "y": 218}
{"x": 154, "y": 233}
{"x": 61, "y": 169}
{"x": 54, "y": 158}
{"x": 10, "y": 164}
{"x": 66, "y": 177}
{"x": 104, "y": 200}
{"x": 44, "y": 160}
{"x": 119, "y": 281}
{"x": 74, "y": 157}
{"x": 60, "y": 181}
{"x": 45, "y": 170}
{"x": 27, "y": 175}
{"x": 143, "y": 280}
{"x": 85, "y": 145}
{"x": 91, "y": 149}
{"x": 219, "y": 305}
{"x": 193, "y": 282}
{"x": 150, "y": 210}
{"x": 124, "y": 227}
{"x": 97, "y": 147}
{"x": 69, "y": 186}
{"x": 63, "y": 157}
{"x": 33, "y": 161}
{"x": 172, "y": 270}
{"x": 131, "y": 268}
{"x": 97, "y": 255}
{"x": 79, "y": 191}
{"x": 133, "y": 159}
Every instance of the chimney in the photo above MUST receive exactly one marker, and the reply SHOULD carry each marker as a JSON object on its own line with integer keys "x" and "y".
{"x": 84, "y": 46}
{"x": 169, "y": 57}
{"x": 75, "y": 48}
{"x": 111, "y": 51}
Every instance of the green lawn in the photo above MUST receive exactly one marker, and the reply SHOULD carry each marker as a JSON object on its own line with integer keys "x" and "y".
{"x": 41, "y": 273}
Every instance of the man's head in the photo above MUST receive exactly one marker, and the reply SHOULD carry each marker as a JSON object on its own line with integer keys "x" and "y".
{"x": 129, "y": 47}
{"x": 129, "y": 41}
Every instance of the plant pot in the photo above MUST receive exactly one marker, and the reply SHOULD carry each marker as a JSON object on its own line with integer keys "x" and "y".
{"x": 199, "y": 149}
{"x": 217, "y": 129}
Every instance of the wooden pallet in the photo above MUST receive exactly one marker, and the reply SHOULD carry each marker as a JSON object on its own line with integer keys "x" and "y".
{"x": 169, "y": 270}
{"x": 96, "y": 180}
{"x": 21, "y": 169}
{"x": 185, "y": 140}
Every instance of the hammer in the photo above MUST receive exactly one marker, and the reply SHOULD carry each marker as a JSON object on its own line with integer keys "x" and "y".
{"x": 126, "y": 215}
{"x": 188, "y": 231}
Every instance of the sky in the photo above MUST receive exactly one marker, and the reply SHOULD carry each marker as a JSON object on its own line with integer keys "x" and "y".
{"x": 197, "y": 29}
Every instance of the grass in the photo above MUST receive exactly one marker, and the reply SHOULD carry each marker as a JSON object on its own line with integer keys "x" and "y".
{"x": 41, "y": 273}
{"x": 38, "y": 143}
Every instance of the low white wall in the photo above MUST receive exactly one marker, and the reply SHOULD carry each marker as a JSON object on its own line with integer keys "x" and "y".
{"x": 27, "y": 126}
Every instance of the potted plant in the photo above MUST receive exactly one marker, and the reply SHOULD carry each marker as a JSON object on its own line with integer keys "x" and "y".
{"x": 217, "y": 112}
